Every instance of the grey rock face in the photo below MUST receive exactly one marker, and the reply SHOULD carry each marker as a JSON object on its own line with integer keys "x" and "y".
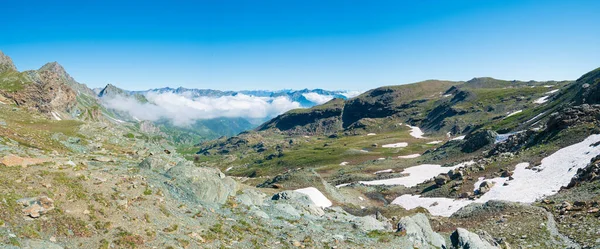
{"x": 6, "y": 64}
{"x": 251, "y": 197}
{"x": 155, "y": 162}
{"x": 461, "y": 238}
{"x": 299, "y": 201}
{"x": 198, "y": 184}
{"x": 419, "y": 231}
{"x": 477, "y": 140}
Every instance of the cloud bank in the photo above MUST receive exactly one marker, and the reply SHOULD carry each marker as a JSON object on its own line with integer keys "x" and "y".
{"x": 317, "y": 98}
{"x": 183, "y": 110}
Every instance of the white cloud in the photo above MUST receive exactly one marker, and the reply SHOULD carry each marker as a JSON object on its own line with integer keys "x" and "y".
{"x": 317, "y": 98}
{"x": 183, "y": 110}
{"x": 351, "y": 94}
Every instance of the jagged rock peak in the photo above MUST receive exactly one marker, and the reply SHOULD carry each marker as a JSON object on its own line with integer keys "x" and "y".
{"x": 55, "y": 68}
{"x": 6, "y": 63}
{"x": 111, "y": 90}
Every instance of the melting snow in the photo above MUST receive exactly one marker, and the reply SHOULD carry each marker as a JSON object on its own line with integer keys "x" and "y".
{"x": 383, "y": 171}
{"x": 553, "y": 91}
{"x": 416, "y": 131}
{"x": 446, "y": 95}
{"x": 316, "y": 196}
{"x": 458, "y": 138}
{"x": 541, "y": 100}
{"x": 435, "y": 142}
{"x": 537, "y": 116}
{"x": 527, "y": 186}
{"x": 513, "y": 113}
{"x": 503, "y": 137}
{"x": 342, "y": 185}
{"x": 396, "y": 145}
{"x": 416, "y": 174}
{"x": 343, "y": 163}
{"x": 228, "y": 169}
{"x": 56, "y": 116}
{"x": 371, "y": 134}
{"x": 409, "y": 156}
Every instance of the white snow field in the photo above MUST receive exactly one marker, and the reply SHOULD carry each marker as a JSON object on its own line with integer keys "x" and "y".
{"x": 528, "y": 185}
{"x": 409, "y": 156}
{"x": 416, "y": 174}
{"x": 316, "y": 196}
{"x": 416, "y": 131}
{"x": 396, "y": 145}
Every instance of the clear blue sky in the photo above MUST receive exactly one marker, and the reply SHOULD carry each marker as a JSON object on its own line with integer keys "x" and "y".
{"x": 254, "y": 44}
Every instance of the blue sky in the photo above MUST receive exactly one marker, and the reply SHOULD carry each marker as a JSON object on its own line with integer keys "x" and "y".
{"x": 278, "y": 44}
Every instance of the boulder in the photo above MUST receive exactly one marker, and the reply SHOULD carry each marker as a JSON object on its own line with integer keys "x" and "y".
{"x": 155, "y": 162}
{"x": 200, "y": 184}
{"x": 251, "y": 197}
{"x": 34, "y": 207}
{"x": 418, "y": 230}
{"x": 477, "y": 140}
{"x": 368, "y": 223}
{"x": 461, "y": 238}
{"x": 299, "y": 201}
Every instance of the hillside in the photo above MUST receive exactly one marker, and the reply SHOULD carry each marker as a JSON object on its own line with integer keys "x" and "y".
{"x": 483, "y": 163}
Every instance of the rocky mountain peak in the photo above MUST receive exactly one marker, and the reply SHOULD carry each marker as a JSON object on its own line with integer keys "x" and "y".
{"x": 111, "y": 90}
{"x": 56, "y": 68}
{"x": 6, "y": 63}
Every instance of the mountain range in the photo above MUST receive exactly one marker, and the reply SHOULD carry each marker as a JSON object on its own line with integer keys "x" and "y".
{"x": 481, "y": 163}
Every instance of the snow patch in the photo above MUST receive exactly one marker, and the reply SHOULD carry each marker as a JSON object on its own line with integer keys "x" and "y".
{"x": 409, "y": 156}
{"x": 228, "y": 169}
{"x": 416, "y": 174}
{"x": 383, "y": 171}
{"x": 513, "y": 113}
{"x": 371, "y": 134}
{"x": 55, "y": 115}
{"x": 396, "y": 145}
{"x": 316, "y": 196}
{"x": 435, "y": 142}
{"x": 541, "y": 100}
{"x": 553, "y": 91}
{"x": 528, "y": 185}
{"x": 416, "y": 131}
{"x": 343, "y": 163}
{"x": 458, "y": 138}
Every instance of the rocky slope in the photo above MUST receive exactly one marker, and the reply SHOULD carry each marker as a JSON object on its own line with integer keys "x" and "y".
{"x": 315, "y": 178}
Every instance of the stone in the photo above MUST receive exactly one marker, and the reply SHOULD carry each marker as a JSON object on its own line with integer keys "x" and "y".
{"x": 34, "y": 207}
{"x": 251, "y": 197}
{"x": 200, "y": 184}
{"x": 418, "y": 230}
{"x": 461, "y": 238}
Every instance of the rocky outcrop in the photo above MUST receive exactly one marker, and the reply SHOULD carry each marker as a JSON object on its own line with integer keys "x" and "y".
{"x": 324, "y": 119}
{"x": 477, "y": 140}
{"x": 200, "y": 184}
{"x": 588, "y": 174}
{"x": 418, "y": 230}
{"x": 572, "y": 116}
{"x": 6, "y": 63}
{"x": 34, "y": 207}
{"x": 461, "y": 238}
{"x": 588, "y": 88}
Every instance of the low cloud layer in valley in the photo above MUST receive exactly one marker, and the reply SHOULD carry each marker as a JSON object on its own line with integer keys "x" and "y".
{"x": 182, "y": 109}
